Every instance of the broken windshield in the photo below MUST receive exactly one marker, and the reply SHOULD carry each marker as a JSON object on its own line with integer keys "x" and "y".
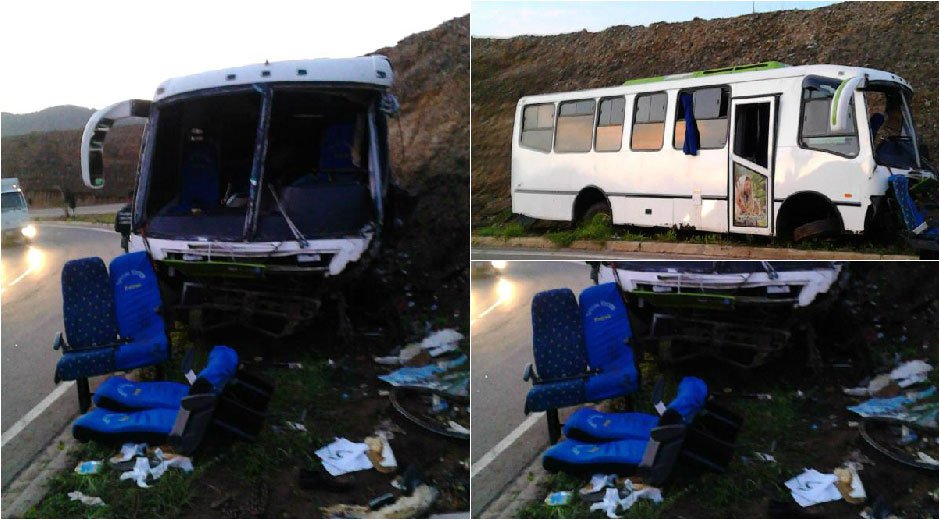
{"x": 891, "y": 129}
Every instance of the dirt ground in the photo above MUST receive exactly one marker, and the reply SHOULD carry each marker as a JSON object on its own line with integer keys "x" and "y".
{"x": 887, "y": 312}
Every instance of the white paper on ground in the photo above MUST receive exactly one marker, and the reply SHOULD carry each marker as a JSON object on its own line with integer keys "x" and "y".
{"x": 612, "y": 499}
{"x": 911, "y": 372}
{"x": 456, "y": 427}
{"x": 442, "y": 341}
{"x": 139, "y": 473}
{"x": 599, "y": 482}
{"x": 85, "y": 499}
{"x": 388, "y": 457}
{"x": 344, "y": 456}
{"x": 812, "y": 487}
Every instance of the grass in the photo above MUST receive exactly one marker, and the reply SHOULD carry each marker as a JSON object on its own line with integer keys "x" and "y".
{"x": 598, "y": 230}
{"x": 506, "y": 230}
{"x": 104, "y": 218}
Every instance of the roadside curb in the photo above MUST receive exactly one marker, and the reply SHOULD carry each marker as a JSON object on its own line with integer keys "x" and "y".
{"x": 30, "y": 486}
{"x": 682, "y": 249}
{"x": 74, "y": 224}
{"x": 524, "y": 489}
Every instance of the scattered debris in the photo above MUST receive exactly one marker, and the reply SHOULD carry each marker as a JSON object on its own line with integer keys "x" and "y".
{"x": 927, "y": 459}
{"x": 142, "y": 469}
{"x": 415, "y": 506}
{"x": 88, "y": 467}
{"x": 457, "y": 428}
{"x": 598, "y": 483}
{"x": 631, "y": 493}
{"x": 344, "y": 456}
{"x": 766, "y": 457}
{"x": 128, "y": 452}
{"x": 903, "y": 376}
{"x": 422, "y": 376}
{"x": 87, "y": 500}
{"x": 899, "y": 408}
{"x": 850, "y": 485}
{"x": 812, "y": 487}
{"x": 911, "y": 373}
{"x": 295, "y": 426}
{"x": 558, "y": 498}
{"x": 380, "y": 453}
{"x": 442, "y": 341}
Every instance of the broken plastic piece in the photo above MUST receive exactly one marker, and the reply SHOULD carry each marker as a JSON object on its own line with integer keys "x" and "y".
{"x": 558, "y": 498}
{"x": 88, "y": 467}
{"x": 87, "y": 500}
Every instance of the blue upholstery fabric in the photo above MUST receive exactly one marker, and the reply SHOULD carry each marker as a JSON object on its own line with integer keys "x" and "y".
{"x": 220, "y": 367}
{"x": 547, "y": 396}
{"x": 606, "y": 332}
{"x": 76, "y": 364}
{"x": 199, "y": 178}
{"x": 909, "y": 212}
{"x": 690, "y": 146}
{"x": 87, "y": 307}
{"x": 619, "y": 457}
{"x": 118, "y": 393}
{"x": 150, "y": 426}
{"x": 336, "y": 146}
{"x": 557, "y": 340}
{"x": 587, "y": 424}
{"x": 136, "y": 296}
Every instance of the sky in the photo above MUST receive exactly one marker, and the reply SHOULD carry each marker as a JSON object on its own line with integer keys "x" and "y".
{"x": 96, "y": 53}
{"x": 505, "y": 19}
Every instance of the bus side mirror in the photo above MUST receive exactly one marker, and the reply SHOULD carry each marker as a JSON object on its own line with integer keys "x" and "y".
{"x": 96, "y": 130}
{"x": 839, "y": 111}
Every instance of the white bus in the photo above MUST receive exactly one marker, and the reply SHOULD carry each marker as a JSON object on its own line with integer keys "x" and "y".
{"x": 763, "y": 149}
{"x": 261, "y": 182}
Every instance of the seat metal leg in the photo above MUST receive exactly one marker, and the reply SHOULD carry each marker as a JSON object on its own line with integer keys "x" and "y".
{"x": 554, "y": 425}
{"x": 84, "y": 394}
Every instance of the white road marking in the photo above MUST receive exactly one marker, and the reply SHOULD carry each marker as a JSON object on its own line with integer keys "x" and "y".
{"x": 488, "y": 310}
{"x": 37, "y": 410}
{"x": 17, "y": 279}
{"x": 503, "y": 445}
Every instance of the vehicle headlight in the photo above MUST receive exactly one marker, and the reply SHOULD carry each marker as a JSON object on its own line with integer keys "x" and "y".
{"x": 29, "y": 231}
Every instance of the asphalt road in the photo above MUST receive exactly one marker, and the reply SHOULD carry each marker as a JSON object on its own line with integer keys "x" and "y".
{"x": 100, "y": 209}
{"x": 485, "y": 253}
{"x": 32, "y": 314}
{"x": 501, "y": 347}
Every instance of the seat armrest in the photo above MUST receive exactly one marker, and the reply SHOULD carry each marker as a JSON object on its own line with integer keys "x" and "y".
{"x": 59, "y": 341}
{"x": 668, "y": 433}
{"x": 529, "y": 373}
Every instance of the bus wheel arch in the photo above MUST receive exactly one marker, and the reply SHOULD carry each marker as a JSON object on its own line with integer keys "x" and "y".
{"x": 808, "y": 214}
{"x": 590, "y": 201}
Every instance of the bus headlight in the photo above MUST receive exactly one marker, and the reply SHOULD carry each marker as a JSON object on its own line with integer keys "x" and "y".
{"x": 28, "y": 231}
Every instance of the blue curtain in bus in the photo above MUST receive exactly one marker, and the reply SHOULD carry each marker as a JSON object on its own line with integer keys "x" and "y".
{"x": 690, "y": 147}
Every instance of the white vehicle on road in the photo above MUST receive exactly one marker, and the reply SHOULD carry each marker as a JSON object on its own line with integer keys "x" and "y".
{"x": 764, "y": 149}
{"x": 16, "y": 223}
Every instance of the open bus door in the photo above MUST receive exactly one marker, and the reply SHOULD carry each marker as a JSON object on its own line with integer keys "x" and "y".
{"x": 750, "y": 165}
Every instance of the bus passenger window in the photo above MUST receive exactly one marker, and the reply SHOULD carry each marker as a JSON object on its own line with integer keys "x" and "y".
{"x": 649, "y": 122}
{"x": 610, "y": 125}
{"x": 538, "y": 125}
{"x": 575, "y": 126}
{"x": 710, "y": 108}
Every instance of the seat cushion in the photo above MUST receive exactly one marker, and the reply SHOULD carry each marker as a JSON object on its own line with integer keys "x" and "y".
{"x": 579, "y": 458}
{"x": 120, "y": 394}
{"x": 141, "y": 353}
{"x": 84, "y": 363}
{"x": 87, "y": 304}
{"x": 612, "y": 382}
{"x": 606, "y": 326}
{"x": 590, "y": 425}
{"x": 557, "y": 339}
{"x": 220, "y": 367}
{"x": 559, "y": 394}
{"x": 112, "y": 427}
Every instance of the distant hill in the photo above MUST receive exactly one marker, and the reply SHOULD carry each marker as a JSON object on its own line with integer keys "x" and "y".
{"x": 63, "y": 117}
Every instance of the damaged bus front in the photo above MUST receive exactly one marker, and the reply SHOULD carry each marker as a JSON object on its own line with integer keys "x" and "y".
{"x": 258, "y": 186}
{"x": 742, "y": 313}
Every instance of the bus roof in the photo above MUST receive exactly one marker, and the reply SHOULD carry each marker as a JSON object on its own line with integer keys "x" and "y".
{"x": 374, "y": 71}
{"x": 723, "y": 76}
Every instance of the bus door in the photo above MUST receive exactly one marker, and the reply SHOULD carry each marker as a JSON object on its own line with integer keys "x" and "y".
{"x": 751, "y": 165}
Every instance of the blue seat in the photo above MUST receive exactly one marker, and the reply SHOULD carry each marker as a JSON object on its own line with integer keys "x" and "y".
{"x": 581, "y": 352}
{"x": 914, "y": 220}
{"x": 158, "y": 412}
{"x": 111, "y": 322}
{"x": 626, "y": 443}
{"x": 589, "y": 425}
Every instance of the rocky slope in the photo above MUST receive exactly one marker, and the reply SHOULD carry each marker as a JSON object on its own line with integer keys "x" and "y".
{"x": 897, "y": 36}
{"x": 432, "y": 84}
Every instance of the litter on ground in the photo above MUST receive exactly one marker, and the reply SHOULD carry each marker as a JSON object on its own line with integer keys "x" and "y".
{"x": 613, "y": 500}
{"x": 812, "y": 487}
{"x": 344, "y": 456}
{"x": 87, "y": 500}
{"x": 88, "y": 467}
{"x": 558, "y": 498}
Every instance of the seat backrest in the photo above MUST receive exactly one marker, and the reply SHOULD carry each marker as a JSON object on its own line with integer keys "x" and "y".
{"x": 136, "y": 296}
{"x": 606, "y": 325}
{"x": 87, "y": 304}
{"x": 690, "y": 398}
{"x": 557, "y": 339}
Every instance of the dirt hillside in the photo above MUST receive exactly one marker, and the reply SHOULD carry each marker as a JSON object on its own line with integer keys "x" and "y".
{"x": 432, "y": 83}
{"x": 897, "y": 36}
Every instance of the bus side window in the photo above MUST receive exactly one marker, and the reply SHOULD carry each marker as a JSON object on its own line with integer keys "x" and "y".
{"x": 814, "y": 127}
{"x": 538, "y": 126}
{"x": 710, "y": 108}
{"x": 649, "y": 122}
{"x": 575, "y": 126}
{"x": 610, "y": 125}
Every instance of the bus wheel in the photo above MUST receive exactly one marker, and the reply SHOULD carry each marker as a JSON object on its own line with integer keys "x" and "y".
{"x": 598, "y": 208}
{"x": 815, "y": 229}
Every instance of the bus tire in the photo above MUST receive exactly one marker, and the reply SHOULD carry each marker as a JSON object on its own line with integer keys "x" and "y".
{"x": 815, "y": 229}
{"x": 598, "y": 208}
